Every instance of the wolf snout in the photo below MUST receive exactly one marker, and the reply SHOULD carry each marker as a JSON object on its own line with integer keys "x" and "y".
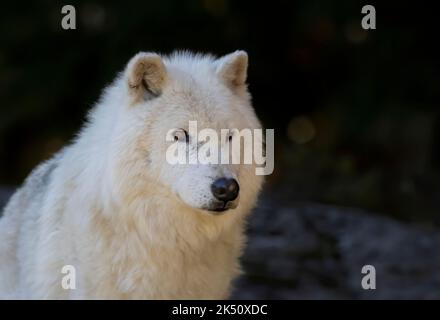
{"x": 225, "y": 189}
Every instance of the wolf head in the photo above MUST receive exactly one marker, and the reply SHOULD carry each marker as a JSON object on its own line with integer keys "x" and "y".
{"x": 155, "y": 100}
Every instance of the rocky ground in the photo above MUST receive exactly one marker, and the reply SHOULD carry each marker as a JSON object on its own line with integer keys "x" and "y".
{"x": 312, "y": 251}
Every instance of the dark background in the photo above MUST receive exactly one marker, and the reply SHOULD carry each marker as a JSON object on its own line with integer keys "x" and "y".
{"x": 355, "y": 112}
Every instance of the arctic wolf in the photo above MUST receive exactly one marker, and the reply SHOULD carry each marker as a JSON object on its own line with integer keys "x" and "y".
{"x": 130, "y": 224}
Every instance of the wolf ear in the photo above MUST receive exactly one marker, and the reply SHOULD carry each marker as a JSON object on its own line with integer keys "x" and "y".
{"x": 146, "y": 76}
{"x": 232, "y": 69}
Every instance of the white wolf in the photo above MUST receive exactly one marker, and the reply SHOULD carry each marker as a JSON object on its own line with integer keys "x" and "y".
{"x": 132, "y": 225}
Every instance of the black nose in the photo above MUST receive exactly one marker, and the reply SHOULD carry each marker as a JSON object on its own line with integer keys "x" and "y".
{"x": 225, "y": 189}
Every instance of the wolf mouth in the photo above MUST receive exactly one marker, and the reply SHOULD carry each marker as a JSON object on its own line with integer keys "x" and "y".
{"x": 221, "y": 206}
{"x": 221, "y": 209}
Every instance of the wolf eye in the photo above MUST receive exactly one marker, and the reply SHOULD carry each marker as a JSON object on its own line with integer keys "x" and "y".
{"x": 181, "y": 135}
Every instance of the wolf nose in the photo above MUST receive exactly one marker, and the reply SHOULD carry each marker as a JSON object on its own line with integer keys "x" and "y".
{"x": 225, "y": 189}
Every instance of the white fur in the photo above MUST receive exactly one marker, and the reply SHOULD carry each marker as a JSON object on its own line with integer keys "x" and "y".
{"x": 109, "y": 204}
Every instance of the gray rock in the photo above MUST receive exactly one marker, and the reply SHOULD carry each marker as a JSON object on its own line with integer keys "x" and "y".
{"x": 311, "y": 251}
